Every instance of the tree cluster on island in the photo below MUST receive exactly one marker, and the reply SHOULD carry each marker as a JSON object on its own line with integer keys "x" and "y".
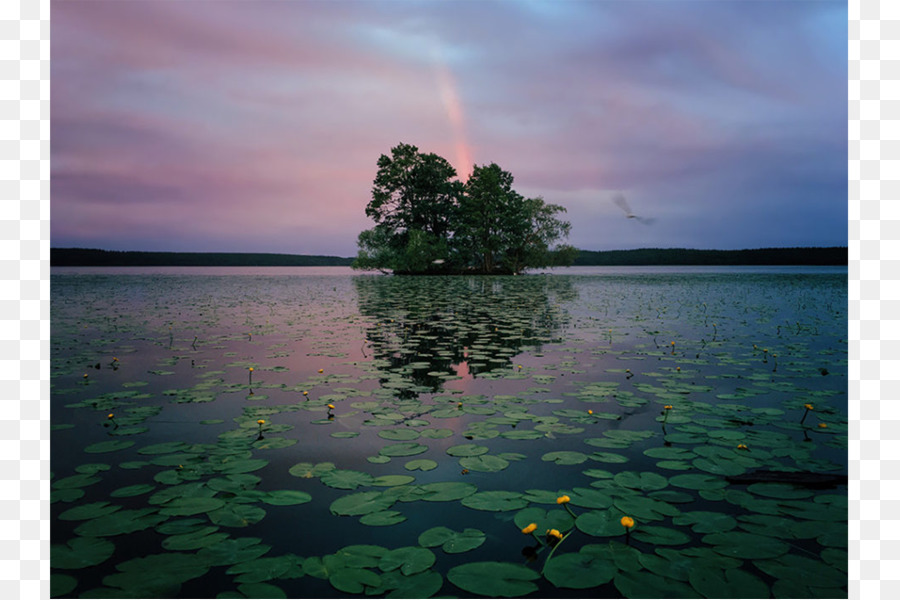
{"x": 429, "y": 222}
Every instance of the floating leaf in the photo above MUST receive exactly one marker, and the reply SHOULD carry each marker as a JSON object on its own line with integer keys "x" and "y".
{"x": 361, "y": 503}
{"x": 121, "y": 522}
{"x": 496, "y": 501}
{"x": 486, "y": 463}
{"x": 579, "y": 571}
{"x": 346, "y": 479}
{"x": 698, "y": 482}
{"x": 452, "y": 542}
{"x": 745, "y": 545}
{"x": 507, "y": 580}
{"x": 706, "y": 521}
{"x": 232, "y": 551}
{"x": 646, "y": 481}
{"x": 565, "y": 457}
{"x": 403, "y": 449}
{"x": 661, "y": 536}
{"x": 420, "y": 464}
{"x": 409, "y": 559}
{"x": 445, "y": 491}
{"x": 93, "y": 510}
{"x": 80, "y": 552}
{"x": 731, "y": 583}
{"x": 467, "y": 450}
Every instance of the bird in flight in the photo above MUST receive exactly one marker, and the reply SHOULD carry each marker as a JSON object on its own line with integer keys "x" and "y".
{"x": 620, "y": 201}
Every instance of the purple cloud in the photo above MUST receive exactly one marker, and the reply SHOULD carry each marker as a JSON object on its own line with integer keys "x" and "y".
{"x": 256, "y": 126}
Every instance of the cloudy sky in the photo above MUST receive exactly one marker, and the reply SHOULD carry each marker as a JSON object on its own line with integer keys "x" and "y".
{"x": 217, "y": 125}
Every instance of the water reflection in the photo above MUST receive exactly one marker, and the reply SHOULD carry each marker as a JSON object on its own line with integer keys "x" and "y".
{"x": 426, "y": 330}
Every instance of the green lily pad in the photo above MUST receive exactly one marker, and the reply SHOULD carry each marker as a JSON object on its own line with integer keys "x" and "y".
{"x": 467, "y": 450}
{"x": 420, "y": 464}
{"x": 61, "y": 585}
{"x": 661, "y": 536}
{"x": 237, "y": 515}
{"x": 815, "y": 572}
{"x": 93, "y": 510}
{"x": 745, "y": 545}
{"x": 698, "y": 482}
{"x": 608, "y": 457}
{"x": 183, "y": 507}
{"x": 646, "y": 481}
{"x": 354, "y": 581}
{"x": 560, "y": 520}
{"x": 201, "y": 538}
{"x": 260, "y": 590}
{"x": 446, "y": 491}
{"x": 409, "y": 559}
{"x": 109, "y": 446}
{"x": 579, "y": 571}
{"x": 730, "y": 583}
{"x": 121, "y": 522}
{"x": 361, "y": 503}
{"x": 494, "y": 579}
{"x": 80, "y": 552}
{"x": 650, "y": 585}
{"x": 706, "y": 521}
{"x": 132, "y": 490}
{"x": 485, "y": 463}
{"x": 382, "y": 518}
{"x": 565, "y": 457}
{"x": 232, "y": 551}
{"x": 452, "y": 542}
{"x": 495, "y": 501}
{"x": 601, "y": 523}
{"x": 75, "y": 481}
{"x": 399, "y": 435}
{"x": 403, "y": 449}
{"x": 285, "y": 497}
{"x": 307, "y": 470}
{"x": 782, "y": 491}
{"x": 392, "y": 480}
{"x": 346, "y": 479}
{"x": 156, "y": 571}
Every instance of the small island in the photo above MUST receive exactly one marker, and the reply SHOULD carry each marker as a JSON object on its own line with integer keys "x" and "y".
{"x": 429, "y": 222}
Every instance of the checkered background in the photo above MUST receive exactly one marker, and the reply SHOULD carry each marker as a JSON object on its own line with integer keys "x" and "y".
{"x": 874, "y": 293}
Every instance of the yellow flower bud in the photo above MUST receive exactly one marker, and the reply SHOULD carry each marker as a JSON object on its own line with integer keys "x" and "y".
{"x": 260, "y": 421}
{"x": 627, "y": 522}
{"x": 529, "y": 528}
{"x": 563, "y": 500}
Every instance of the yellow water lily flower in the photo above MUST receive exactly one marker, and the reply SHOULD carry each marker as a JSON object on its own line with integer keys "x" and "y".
{"x": 529, "y": 528}
{"x": 321, "y": 370}
{"x": 627, "y": 522}
{"x": 563, "y": 500}
{"x": 668, "y": 407}
{"x": 251, "y": 369}
{"x": 110, "y": 416}
{"x": 261, "y": 421}
{"x": 742, "y": 447}
{"x": 331, "y": 406}
{"x": 554, "y": 533}
{"x": 823, "y": 425}
{"x": 808, "y": 406}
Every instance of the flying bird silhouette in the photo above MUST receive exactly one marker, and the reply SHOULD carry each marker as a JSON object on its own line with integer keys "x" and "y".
{"x": 621, "y": 202}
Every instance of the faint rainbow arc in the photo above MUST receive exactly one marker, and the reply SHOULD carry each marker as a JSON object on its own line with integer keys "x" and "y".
{"x": 453, "y": 105}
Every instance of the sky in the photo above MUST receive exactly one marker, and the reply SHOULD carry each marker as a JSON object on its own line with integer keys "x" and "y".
{"x": 238, "y": 126}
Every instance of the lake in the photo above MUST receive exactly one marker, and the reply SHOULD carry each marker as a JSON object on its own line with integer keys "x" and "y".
{"x": 315, "y": 432}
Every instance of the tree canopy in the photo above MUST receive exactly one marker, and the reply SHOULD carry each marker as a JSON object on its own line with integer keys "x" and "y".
{"x": 427, "y": 221}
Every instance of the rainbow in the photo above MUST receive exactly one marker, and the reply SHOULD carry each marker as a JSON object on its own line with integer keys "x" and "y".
{"x": 452, "y": 104}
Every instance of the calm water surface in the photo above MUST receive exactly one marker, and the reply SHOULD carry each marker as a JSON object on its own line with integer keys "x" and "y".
{"x": 394, "y": 406}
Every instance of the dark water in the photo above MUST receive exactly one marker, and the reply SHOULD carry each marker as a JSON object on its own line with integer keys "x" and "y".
{"x": 502, "y": 372}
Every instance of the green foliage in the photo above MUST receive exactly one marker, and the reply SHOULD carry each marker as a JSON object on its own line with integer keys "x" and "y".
{"x": 428, "y": 222}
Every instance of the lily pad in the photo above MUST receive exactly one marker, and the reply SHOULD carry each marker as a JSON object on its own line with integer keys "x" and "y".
{"x": 403, "y": 449}
{"x": 420, "y": 464}
{"x": 495, "y": 501}
{"x": 745, "y": 545}
{"x": 730, "y": 583}
{"x": 452, "y": 542}
{"x": 382, "y": 518}
{"x": 409, "y": 559}
{"x": 579, "y": 571}
{"x": 80, "y": 552}
{"x": 346, "y": 479}
{"x": 485, "y": 463}
{"x": 565, "y": 457}
{"x": 494, "y": 579}
{"x": 361, "y": 503}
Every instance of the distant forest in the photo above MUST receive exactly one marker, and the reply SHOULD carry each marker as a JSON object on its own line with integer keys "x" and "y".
{"x": 683, "y": 256}
{"x": 81, "y": 257}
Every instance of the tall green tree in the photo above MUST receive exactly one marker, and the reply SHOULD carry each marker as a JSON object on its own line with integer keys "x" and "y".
{"x": 426, "y": 221}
